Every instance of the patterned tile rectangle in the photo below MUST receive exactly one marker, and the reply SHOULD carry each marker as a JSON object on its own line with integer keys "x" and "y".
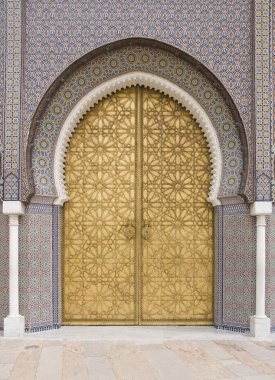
{"x": 4, "y": 267}
{"x": 239, "y": 265}
{"x": 35, "y": 268}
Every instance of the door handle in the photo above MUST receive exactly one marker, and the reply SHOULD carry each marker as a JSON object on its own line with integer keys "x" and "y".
{"x": 129, "y": 231}
{"x": 145, "y": 232}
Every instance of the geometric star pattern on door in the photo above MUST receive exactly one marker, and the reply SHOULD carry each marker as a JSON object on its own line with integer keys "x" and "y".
{"x": 138, "y": 244}
{"x": 177, "y": 260}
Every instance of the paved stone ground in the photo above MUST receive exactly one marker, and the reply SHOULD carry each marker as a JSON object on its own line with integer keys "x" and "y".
{"x": 137, "y": 353}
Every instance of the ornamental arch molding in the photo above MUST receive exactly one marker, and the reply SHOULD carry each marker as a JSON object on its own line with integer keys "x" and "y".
{"x": 153, "y": 82}
{"x": 158, "y": 67}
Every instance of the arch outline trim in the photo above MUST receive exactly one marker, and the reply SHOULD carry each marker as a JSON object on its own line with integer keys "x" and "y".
{"x": 153, "y": 82}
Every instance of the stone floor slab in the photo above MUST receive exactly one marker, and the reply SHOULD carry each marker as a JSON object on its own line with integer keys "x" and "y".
{"x": 139, "y": 353}
{"x": 50, "y": 363}
{"x": 191, "y": 354}
{"x": 9, "y": 355}
{"x": 247, "y": 359}
{"x": 74, "y": 362}
{"x": 99, "y": 368}
{"x": 129, "y": 362}
{"x": 5, "y": 371}
{"x": 25, "y": 366}
{"x": 94, "y": 349}
{"x": 166, "y": 364}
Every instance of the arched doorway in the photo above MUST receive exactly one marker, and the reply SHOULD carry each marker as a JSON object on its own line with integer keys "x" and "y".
{"x": 138, "y": 235}
{"x": 58, "y": 117}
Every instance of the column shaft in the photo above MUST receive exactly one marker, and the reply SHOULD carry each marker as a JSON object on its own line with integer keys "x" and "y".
{"x": 260, "y": 267}
{"x": 14, "y": 323}
{"x": 260, "y": 323}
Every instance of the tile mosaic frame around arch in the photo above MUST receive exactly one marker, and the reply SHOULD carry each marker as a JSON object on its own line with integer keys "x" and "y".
{"x": 128, "y": 59}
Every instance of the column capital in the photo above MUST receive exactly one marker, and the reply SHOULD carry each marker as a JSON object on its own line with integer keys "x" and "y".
{"x": 13, "y": 208}
{"x": 261, "y": 208}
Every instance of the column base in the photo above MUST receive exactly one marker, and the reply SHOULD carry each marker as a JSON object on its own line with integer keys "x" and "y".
{"x": 260, "y": 327}
{"x": 14, "y": 326}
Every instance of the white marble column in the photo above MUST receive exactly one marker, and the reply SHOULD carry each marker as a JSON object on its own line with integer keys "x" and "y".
{"x": 14, "y": 323}
{"x": 260, "y": 323}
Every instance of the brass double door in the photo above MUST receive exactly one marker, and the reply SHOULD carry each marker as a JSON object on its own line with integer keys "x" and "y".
{"x": 137, "y": 242}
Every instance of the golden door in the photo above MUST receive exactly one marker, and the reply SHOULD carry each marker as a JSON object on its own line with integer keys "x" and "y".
{"x": 138, "y": 234}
